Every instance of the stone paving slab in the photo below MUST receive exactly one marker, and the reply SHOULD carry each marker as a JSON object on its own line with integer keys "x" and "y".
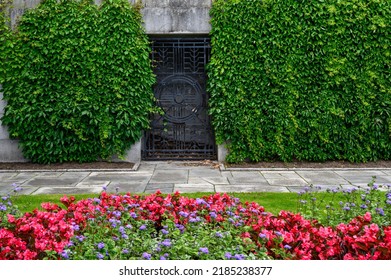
{"x": 163, "y": 188}
{"x": 170, "y": 176}
{"x": 27, "y": 190}
{"x": 7, "y": 176}
{"x": 249, "y": 188}
{"x": 318, "y": 177}
{"x": 66, "y": 190}
{"x": 287, "y": 182}
{"x": 280, "y": 174}
{"x": 95, "y": 184}
{"x": 126, "y": 187}
{"x": 239, "y": 177}
{"x": 6, "y": 189}
{"x": 191, "y": 188}
{"x": 120, "y": 177}
{"x": 361, "y": 173}
{"x": 204, "y": 172}
{"x": 216, "y": 180}
{"x": 188, "y": 177}
{"x": 383, "y": 180}
{"x": 49, "y": 181}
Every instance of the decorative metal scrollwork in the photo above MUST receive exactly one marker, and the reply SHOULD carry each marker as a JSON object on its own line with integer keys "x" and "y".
{"x": 184, "y": 131}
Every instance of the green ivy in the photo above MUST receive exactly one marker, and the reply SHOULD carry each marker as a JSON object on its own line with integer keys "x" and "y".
{"x": 301, "y": 80}
{"x": 5, "y": 36}
{"x": 78, "y": 81}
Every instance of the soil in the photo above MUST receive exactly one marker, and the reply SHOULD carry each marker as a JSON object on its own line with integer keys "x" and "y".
{"x": 101, "y": 165}
{"x": 68, "y": 165}
{"x": 303, "y": 164}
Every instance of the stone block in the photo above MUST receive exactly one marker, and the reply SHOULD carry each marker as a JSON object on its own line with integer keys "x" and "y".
{"x": 10, "y": 152}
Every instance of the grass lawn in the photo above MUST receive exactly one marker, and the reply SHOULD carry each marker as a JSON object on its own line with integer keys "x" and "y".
{"x": 273, "y": 202}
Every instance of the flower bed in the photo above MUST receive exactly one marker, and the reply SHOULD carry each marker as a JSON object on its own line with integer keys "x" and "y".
{"x": 159, "y": 226}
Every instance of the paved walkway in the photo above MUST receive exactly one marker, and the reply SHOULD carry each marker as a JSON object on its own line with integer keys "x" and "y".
{"x": 186, "y": 177}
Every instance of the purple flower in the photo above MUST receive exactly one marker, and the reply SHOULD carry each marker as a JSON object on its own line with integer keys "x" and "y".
{"x": 380, "y": 211}
{"x": 18, "y": 189}
{"x": 75, "y": 227}
{"x": 4, "y": 197}
{"x": 133, "y": 215}
{"x": 104, "y": 188}
{"x": 219, "y": 235}
{"x": 80, "y": 238}
{"x": 346, "y": 208}
{"x": 262, "y": 235}
{"x": 204, "y": 250}
{"x": 125, "y": 236}
{"x": 363, "y": 206}
{"x": 183, "y": 214}
{"x": 97, "y": 200}
{"x": 116, "y": 189}
{"x": 3, "y": 207}
{"x": 278, "y": 233}
{"x": 99, "y": 256}
{"x": 125, "y": 251}
{"x": 166, "y": 242}
{"x": 65, "y": 255}
{"x": 287, "y": 247}
{"x": 200, "y": 201}
{"x": 180, "y": 227}
{"x": 164, "y": 231}
{"x": 143, "y": 227}
{"x": 101, "y": 245}
{"x": 228, "y": 255}
{"x": 117, "y": 214}
{"x": 121, "y": 229}
{"x": 194, "y": 220}
{"x": 213, "y": 215}
{"x": 239, "y": 257}
{"x": 146, "y": 256}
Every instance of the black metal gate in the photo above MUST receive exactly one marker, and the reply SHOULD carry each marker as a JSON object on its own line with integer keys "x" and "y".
{"x": 184, "y": 131}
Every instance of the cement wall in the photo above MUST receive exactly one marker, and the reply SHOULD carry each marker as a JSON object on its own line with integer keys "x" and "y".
{"x": 160, "y": 17}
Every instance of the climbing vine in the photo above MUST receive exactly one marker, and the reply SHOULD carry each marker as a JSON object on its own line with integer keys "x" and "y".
{"x": 301, "y": 80}
{"x": 78, "y": 81}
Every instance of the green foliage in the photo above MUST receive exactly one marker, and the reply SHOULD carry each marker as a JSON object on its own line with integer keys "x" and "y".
{"x": 303, "y": 80}
{"x": 338, "y": 205}
{"x": 78, "y": 81}
{"x": 5, "y": 36}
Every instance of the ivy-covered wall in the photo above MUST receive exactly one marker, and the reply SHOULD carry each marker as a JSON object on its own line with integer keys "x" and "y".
{"x": 158, "y": 17}
{"x": 302, "y": 80}
{"x": 77, "y": 80}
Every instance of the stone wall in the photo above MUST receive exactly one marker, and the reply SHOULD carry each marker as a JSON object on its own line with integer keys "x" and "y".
{"x": 160, "y": 17}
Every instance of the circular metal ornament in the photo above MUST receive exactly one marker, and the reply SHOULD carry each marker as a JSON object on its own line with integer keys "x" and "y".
{"x": 180, "y": 97}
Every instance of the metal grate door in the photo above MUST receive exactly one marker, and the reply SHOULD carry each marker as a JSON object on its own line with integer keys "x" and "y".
{"x": 184, "y": 131}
